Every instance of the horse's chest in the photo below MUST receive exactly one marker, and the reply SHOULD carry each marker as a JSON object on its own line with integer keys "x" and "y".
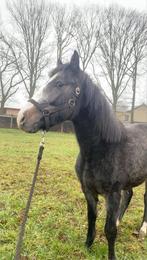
{"x": 94, "y": 178}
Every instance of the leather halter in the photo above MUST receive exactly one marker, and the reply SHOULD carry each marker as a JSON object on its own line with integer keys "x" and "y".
{"x": 48, "y": 112}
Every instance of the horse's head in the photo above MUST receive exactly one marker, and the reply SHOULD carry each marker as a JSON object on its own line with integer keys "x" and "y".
{"x": 55, "y": 103}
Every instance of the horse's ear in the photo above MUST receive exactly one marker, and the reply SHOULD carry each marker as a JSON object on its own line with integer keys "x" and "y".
{"x": 74, "y": 62}
{"x": 59, "y": 62}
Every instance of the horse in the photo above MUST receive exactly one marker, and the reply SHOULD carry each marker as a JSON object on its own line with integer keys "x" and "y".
{"x": 112, "y": 157}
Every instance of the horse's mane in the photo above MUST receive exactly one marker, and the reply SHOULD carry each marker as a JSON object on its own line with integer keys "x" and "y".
{"x": 108, "y": 126}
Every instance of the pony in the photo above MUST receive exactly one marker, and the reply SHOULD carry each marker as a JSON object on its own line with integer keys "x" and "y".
{"x": 112, "y": 157}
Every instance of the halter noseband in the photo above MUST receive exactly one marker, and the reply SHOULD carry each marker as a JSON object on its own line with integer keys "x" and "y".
{"x": 48, "y": 112}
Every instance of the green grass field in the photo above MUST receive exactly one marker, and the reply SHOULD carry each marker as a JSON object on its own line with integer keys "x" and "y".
{"x": 56, "y": 227}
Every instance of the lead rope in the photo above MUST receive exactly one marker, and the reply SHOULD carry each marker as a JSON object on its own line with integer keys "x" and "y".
{"x": 25, "y": 216}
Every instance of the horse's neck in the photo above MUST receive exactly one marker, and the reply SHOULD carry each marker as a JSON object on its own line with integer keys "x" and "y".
{"x": 96, "y": 125}
{"x": 87, "y": 137}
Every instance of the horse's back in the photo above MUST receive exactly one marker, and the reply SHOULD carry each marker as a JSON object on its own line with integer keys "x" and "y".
{"x": 137, "y": 135}
{"x": 136, "y": 127}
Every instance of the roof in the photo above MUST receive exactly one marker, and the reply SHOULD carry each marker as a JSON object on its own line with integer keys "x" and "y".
{"x": 123, "y": 110}
{"x": 12, "y": 108}
{"x": 142, "y": 105}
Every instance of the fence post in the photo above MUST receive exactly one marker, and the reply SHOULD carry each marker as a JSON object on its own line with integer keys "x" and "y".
{"x": 11, "y": 122}
{"x": 62, "y": 127}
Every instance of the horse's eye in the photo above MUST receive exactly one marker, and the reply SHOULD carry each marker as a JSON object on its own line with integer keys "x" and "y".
{"x": 59, "y": 84}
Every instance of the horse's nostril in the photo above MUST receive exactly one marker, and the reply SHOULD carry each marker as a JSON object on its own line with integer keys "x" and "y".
{"x": 22, "y": 121}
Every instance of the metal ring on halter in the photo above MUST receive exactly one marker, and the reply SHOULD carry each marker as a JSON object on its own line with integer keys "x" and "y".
{"x": 77, "y": 91}
{"x": 46, "y": 113}
{"x": 71, "y": 102}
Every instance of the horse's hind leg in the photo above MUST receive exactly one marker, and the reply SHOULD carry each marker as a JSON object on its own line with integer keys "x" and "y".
{"x": 125, "y": 200}
{"x": 91, "y": 214}
{"x": 143, "y": 229}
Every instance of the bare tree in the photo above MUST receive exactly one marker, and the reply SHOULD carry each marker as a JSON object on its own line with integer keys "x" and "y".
{"x": 116, "y": 48}
{"x": 96, "y": 78}
{"x": 63, "y": 25}
{"x": 9, "y": 80}
{"x": 87, "y": 31}
{"x": 31, "y": 18}
{"x": 139, "y": 54}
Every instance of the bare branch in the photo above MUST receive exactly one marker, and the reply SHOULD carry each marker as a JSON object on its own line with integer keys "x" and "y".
{"x": 122, "y": 34}
{"x": 32, "y": 23}
{"x": 87, "y": 33}
{"x": 63, "y": 20}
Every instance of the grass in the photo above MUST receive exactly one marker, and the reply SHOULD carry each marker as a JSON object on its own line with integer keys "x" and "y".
{"x": 56, "y": 226}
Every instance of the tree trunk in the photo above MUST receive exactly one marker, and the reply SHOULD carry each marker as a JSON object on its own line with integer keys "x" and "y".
{"x": 2, "y": 108}
{"x": 134, "y": 92}
{"x": 59, "y": 50}
{"x": 114, "y": 105}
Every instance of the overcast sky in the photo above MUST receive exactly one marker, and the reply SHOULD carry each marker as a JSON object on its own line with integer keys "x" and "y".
{"x": 140, "y": 5}
{"x": 136, "y": 4}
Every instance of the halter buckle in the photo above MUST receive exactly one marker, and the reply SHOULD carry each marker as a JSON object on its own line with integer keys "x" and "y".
{"x": 77, "y": 91}
{"x": 71, "y": 102}
{"x": 45, "y": 113}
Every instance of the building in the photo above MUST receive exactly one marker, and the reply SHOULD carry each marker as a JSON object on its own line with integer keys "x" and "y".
{"x": 8, "y": 120}
{"x": 140, "y": 114}
{"x": 8, "y": 117}
{"x": 10, "y": 111}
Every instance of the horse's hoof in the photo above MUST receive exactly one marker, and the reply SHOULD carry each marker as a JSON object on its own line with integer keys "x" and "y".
{"x": 88, "y": 244}
{"x": 112, "y": 258}
{"x": 90, "y": 239}
{"x": 117, "y": 222}
{"x": 142, "y": 234}
{"x": 143, "y": 231}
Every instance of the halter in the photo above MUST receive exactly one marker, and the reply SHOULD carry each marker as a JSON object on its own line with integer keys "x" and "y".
{"x": 48, "y": 112}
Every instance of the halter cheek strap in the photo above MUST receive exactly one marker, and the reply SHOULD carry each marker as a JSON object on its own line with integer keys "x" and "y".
{"x": 48, "y": 112}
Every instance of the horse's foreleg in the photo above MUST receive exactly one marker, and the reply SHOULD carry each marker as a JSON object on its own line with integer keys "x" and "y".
{"x": 91, "y": 214}
{"x": 113, "y": 201}
{"x": 143, "y": 229}
{"x": 125, "y": 200}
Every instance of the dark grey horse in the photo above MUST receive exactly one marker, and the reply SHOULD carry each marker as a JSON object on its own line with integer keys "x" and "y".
{"x": 112, "y": 157}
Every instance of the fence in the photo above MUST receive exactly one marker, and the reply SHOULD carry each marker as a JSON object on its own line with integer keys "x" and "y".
{"x": 10, "y": 122}
{"x": 65, "y": 127}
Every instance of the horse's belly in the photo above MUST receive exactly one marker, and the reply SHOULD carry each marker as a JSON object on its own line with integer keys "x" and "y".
{"x": 136, "y": 178}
